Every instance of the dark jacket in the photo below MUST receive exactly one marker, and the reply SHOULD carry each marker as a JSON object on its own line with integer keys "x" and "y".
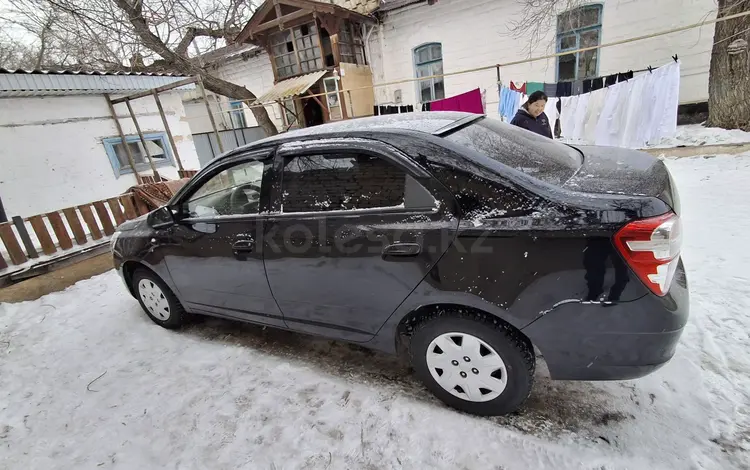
{"x": 540, "y": 125}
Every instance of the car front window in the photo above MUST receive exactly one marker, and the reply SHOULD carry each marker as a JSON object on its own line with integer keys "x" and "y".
{"x": 233, "y": 191}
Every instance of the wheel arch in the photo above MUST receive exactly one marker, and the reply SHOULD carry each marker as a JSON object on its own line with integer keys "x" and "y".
{"x": 408, "y": 322}
{"x": 128, "y": 270}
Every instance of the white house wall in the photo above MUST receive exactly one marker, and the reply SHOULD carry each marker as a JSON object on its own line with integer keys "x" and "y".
{"x": 255, "y": 74}
{"x": 627, "y": 18}
{"x": 197, "y": 114}
{"x": 52, "y": 155}
{"x": 474, "y": 33}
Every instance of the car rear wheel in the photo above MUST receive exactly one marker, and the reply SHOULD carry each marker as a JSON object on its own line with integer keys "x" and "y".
{"x": 157, "y": 300}
{"x": 473, "y": 363}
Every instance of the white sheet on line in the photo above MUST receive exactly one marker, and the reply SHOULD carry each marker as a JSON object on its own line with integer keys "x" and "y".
{"x": 627, "y": 114}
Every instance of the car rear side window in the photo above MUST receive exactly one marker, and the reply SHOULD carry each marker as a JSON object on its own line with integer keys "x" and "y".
{"x": 518, "y": 148}
{"x": 349, "y": 181}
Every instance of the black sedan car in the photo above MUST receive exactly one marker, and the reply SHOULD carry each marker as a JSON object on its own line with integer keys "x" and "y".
{"x": 456, "y": 240}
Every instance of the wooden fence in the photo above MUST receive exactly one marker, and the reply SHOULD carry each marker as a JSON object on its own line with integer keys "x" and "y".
{"x": 97, "y": 217}
{"x": 187, "y": 173}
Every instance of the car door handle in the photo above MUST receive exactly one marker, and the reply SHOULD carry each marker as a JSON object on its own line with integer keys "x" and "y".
{"x": 243, "y": 246}
{"x": 402, "y": 249}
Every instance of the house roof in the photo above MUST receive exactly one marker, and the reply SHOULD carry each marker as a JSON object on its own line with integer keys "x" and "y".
{"x": 17, "y": 83}
{"x": 303, "y": 8}
{"x": 388, "y": 5}
{"x": 229, "y": 52}
{"x": 291, "y": 87}
{"x": 364, "y": 7}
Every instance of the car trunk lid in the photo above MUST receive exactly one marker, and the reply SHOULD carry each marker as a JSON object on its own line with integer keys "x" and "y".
{"x": 611, "y": 170}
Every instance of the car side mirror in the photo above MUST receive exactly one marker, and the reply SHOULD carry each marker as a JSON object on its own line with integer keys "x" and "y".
{"x": 161, "y": 218}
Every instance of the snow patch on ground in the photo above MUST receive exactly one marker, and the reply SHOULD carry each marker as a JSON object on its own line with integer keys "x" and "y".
{"x": 224, "y": 395}
{"x": 697, "y": 134}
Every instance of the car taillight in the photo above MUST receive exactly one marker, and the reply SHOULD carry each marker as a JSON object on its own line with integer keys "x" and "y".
{"x": 652, "y": 249}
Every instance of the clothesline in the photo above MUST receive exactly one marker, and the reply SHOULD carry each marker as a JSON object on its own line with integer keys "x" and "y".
{"x": 625, "y": 114}
{"x": 523, "y": 61}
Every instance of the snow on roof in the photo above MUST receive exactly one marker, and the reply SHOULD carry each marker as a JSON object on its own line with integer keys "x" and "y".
{"x": 386, "y": 5}
{"x": 19, "y": 83}
{"x": 229, "y": 52}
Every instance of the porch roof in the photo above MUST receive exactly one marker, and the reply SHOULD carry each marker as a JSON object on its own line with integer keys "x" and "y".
{"x": 291, "y": 87}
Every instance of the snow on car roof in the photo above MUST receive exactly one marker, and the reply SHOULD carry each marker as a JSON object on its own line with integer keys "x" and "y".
{"x": 427, "y": 122}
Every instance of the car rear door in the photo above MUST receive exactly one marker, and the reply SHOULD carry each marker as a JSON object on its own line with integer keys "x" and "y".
{"x": 355, "y": 225}
{"x": 215, "y": 252}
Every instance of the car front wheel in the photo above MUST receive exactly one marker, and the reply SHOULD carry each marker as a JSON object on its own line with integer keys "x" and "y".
{"x": 157, "y": 300}
{"x": 473, "y": 363}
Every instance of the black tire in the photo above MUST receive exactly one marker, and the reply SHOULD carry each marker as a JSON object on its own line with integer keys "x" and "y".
{"x": 515, "y": 352}
{"x": 176, "y": 314}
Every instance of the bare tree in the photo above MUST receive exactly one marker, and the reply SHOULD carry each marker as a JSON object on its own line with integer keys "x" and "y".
{"x": 138, "y": 34}
{"x": 14, "y": 54}
{"x": 729, "y": 74}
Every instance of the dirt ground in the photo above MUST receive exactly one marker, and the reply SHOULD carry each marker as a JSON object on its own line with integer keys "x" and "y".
{"x": 58, "y": 280}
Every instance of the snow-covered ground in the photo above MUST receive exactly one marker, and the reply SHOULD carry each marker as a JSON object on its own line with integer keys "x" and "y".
{"x": 697, "y": 134}
{"x": 87, "y": 381}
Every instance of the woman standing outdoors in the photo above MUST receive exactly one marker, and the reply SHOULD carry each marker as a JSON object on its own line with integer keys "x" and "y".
{"x": 531, "y": 115}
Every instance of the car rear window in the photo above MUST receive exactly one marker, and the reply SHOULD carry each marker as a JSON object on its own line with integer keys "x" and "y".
{"x": 518, "y": 148}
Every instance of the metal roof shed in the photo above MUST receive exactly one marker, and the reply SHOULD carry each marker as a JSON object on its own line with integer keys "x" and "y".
{"x": 35, "y": 83}
{"x": 22, "y": 83}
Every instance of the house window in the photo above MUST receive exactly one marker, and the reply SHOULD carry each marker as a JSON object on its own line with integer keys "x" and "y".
{"x": 428, "y": 61}
{"x": 296, "y": 51}
{"x": 289, "y": 110}
{"x": 118, "y": 156}
{"x": 351, "y": 48}
{"x": 577, "y": 29}
{"x": 238, "y": 115}
{"x": 308, "y": 47}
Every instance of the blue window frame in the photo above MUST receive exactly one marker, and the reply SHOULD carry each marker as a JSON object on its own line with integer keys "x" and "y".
{"x": 428, "y": 61}
{"x": 576, "y": 29}
{"x": 158, "y": 146}
{"x": 238, "y": 115}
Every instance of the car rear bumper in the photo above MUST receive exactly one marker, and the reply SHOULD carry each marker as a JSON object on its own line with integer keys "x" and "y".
{"x": 624, "y": 340}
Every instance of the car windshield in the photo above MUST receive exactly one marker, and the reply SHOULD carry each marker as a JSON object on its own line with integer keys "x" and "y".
{"x": 538, "y": 156}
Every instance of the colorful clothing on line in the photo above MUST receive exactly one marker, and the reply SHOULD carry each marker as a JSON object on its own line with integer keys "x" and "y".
{"x": 521, "y": 88}
{"x": 510, "y": 100}
{"x": 469, "y": 102}
{"x": 531, "y": 87}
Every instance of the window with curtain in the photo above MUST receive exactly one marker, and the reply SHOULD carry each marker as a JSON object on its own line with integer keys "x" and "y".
{"x": 576, "y": 29}
{"x": 428, "y": 61}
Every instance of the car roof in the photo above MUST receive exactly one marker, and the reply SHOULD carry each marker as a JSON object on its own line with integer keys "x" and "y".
{"x": 427, "y": 122}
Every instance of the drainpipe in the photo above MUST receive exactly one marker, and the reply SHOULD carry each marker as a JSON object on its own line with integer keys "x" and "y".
{"x": 366, "y": 36}
{"x": 381, "y": 39}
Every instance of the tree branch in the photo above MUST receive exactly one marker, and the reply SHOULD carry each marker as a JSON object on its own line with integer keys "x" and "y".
{"x": 193, "y": 33}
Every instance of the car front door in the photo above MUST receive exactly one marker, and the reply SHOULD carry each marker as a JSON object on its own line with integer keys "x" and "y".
{"x": 214, "y": 254}
{"x": 354, "y": 227}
